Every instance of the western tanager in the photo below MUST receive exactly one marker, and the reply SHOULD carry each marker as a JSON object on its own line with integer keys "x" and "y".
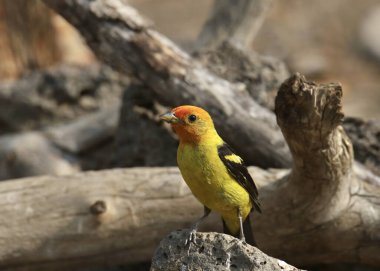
{"x": 216, "y": 176}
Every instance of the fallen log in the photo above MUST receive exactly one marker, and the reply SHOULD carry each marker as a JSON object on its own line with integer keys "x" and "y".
{"x": 94, "y": 218}
{"x": 70, "y": 221}
{"x": 320, "y": 201}
{"x": 61, "y": 149}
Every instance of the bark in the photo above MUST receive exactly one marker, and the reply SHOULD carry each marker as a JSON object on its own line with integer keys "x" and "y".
{"x": 321, "y": 200}
{"x": 52, "y": 222}
{"x": 234, "y": 21}
{"x": 102, "y": 218}
{"x": 121, "y": 37}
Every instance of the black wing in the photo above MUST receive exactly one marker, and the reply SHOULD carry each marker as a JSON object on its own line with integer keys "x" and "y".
{"x": 239, "y": 172}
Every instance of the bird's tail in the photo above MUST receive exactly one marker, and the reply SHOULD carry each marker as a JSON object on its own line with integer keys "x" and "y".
{"x": 249, "y": 238}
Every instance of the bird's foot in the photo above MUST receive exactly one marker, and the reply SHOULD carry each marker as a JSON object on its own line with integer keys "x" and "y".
{"x": 191, "y": 237}
{"x": 243, "y": 241}
{"x": 242, "y": 238}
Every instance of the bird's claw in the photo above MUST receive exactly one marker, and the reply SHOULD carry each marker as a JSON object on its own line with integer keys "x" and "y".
{"x": 191, "y": 237}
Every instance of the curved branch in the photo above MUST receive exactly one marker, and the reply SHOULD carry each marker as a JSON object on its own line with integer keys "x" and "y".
{"x": 310, "y": 117}
{"x": 321, "y": 200}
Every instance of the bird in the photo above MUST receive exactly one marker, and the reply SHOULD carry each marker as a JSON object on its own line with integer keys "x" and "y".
{"x": 216, "y": 176}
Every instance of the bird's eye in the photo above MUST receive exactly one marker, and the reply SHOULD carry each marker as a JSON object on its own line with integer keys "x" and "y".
{"x": 192, "y": 118}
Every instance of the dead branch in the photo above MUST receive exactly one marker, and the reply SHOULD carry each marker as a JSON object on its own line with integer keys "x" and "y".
{"x": 235, "y": 21}
{"x": 48, "y": 221}
{"x": 321, "y": 201}
{"x": 56, "y": 95}
{"x": 261, "y": 75}
{"x": 109, "y": 212}
{"x": 121, "y": 37}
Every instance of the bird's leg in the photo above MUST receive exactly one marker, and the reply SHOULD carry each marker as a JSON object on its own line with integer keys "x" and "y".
{"x": 242, "y": 237}
{"x": 195, "y": 226}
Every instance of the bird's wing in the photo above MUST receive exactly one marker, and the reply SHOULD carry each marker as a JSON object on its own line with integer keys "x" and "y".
{"x": 237, "y": 169}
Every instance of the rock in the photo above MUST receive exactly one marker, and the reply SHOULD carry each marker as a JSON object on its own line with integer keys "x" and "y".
{"x": 369, "y": 32}
{"x": 31, "y": 154}
{"x": 212, "y": 251}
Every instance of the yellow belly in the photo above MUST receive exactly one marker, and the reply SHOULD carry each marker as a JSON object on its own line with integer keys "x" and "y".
{"x": 210, "y": 182}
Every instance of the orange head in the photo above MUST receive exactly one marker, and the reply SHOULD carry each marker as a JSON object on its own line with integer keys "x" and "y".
{"x": 192, "y": 124}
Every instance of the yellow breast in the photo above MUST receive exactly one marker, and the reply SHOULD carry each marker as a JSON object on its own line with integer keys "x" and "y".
{"x": 209, "y": 180}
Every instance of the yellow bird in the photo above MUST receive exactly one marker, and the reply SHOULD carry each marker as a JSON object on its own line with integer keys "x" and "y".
{"x": 216, "y": 176}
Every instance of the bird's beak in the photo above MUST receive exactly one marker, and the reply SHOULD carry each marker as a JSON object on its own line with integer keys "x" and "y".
{"x": 169, "y": 117}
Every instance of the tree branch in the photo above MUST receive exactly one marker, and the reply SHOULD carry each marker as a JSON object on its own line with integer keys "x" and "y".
{"x": 120, "y": 36}
{"x": 235, "y": 21}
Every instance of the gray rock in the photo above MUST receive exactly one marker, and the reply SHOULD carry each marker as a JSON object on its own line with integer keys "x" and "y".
{"x": 212, "y": 251}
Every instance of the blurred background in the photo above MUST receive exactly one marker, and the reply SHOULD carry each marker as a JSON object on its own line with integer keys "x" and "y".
{"x": 59, "y": 106}
{"x": 338, "y": 40}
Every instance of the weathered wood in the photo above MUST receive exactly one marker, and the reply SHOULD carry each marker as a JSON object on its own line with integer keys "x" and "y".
{"x": 261, "y": 75}
{"x": 236, "y": 21}
{"x": 322, "y": 200}
{"x": 31, "y": 154}
{"x": 86, "y": 132}
{"x": 56, "y": 95}
{"x": 47, "y": 221}
{"x": 119, "y": 36}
